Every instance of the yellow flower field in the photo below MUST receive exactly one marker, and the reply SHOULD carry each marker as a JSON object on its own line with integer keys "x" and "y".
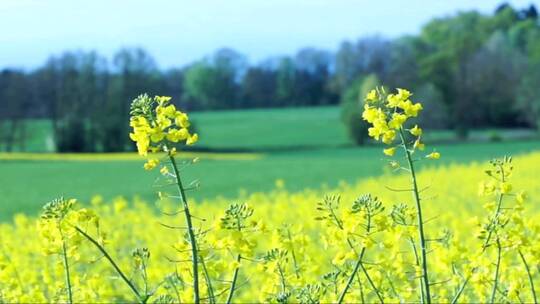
{"x": 28, "y": 275}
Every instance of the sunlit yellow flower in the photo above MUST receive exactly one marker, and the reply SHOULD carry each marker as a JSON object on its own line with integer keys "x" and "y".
{"x": 419, "y": 145}
{"x": 434, "y": 155}
{"x": 390, "y": 151}
{"x": 164, "y": 170}
{"x": 155, "y": 128}
{"x": 192, "y": 139}
{"x": 151, "y": 164}
{"x": 506, "y": 188}
{"x": 416, "y": 131}
{"x": 371, "y": 96}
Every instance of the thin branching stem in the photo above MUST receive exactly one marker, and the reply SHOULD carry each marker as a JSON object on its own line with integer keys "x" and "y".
{"x": 531, "y": 282}
{"x": 361, "y": 289}
{"x": 190, "y": 230}
{"x": 351, "y": 278}
{"x": 66, "y": 266}
{"x": 211, "y": 296}
{"x": 357, "y": 266}
{"x": 497, "y": 268}
{"x": 237, "y": 269}
{"x": 364, "y": 270}
{"x": 497, "y": 211}
{"x": 114, "y": 265}
{"x": 421, "y": 234}
{"x": 177, "y": 293}
{"x": 233, "y": 282}
{"x": 296, "y": 270}
{"x": 417, "y": 261}
{"x": 460, "y": 290}
{"x": 283, "y": 283}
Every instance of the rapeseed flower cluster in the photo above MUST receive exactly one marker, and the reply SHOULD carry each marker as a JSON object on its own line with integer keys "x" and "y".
{"x": 158, "y": 126}
{"x": 388, "y": 115}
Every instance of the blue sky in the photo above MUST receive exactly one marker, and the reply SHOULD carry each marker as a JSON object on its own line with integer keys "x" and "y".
{"x": 177, "y": 32}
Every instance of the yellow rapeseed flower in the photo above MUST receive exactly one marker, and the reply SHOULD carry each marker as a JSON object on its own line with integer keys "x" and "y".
{"x": 506, "y": 188}
{"x": 151, "y": 164}
{"x": 372, "y": 96}
{"x": 158, "y": 126}
{"x": 416, "y": 131}
{"x": 390, "y": 151}
{"x": 434, "y": 155}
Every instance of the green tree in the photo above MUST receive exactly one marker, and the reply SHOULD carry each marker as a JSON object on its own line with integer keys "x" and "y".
{"x": 258, "y": 87}
{"x": 78, "y": 82}
{"x": 286, "y": 75}
{"x": 435, "y": 112}
{"x": 133, "y": 71}
{"x": 528, "y": 97}
{"x": 14, "y": 107}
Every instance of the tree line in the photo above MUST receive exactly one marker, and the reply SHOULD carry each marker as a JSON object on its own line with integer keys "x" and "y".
{"x": 469, "y": 69}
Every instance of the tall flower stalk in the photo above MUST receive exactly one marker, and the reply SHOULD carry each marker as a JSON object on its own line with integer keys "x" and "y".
{"x": 52, "y": 227}
{"x": 159, "y": 126}
{"x": 66, "y": 266}
{"x": 505, "y": 228}
{"x": 388, "y": 114}
{"x": 190, "y": 229}
{"x": 421, "y": 234}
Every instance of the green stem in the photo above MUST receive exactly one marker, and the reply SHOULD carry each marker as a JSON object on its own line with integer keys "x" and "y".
{"x": 351, "y": 278}
{"x": 171, "y": 281}
{"x": 417, "y": 261}
{"x": 359, "y": 265}
{"x": 531, "y": 282}
{"x": 114, "y": 265}
{"x": 496, "y": 279}
{"x": 191, "y": 233}
{"x": 360, "y": 288}
{"x": 296, "y": 272}
{"x": 391, "y": 285}
{"x": 145, "y": 277}
{"x": 66, "y": 267}
{"x": 282, "y": 279}
{"x": 421, "y": 234}
{"x": 497, "y": 211}
{"x": 460, "y": 291}
{"x": 371, "y": 282}
{"x": 211, "y": 295}
{"x": 233, "y": 282}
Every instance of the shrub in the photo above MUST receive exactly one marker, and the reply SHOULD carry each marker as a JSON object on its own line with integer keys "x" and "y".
{"x": 351, "y": 108}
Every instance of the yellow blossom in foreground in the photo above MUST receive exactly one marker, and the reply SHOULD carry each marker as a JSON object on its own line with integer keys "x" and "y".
{"x": 506, "y": 188}
{"x": 125, "y": 225}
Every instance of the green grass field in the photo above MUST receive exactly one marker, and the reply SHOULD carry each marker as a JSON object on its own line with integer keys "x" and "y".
{"x": 273, "y": 129}
{"x": 305, "y": 147}
{"x": 26, "y": 185}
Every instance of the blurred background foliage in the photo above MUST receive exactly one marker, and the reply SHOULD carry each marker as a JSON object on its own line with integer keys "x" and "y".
{"x": 470, "y": 70}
